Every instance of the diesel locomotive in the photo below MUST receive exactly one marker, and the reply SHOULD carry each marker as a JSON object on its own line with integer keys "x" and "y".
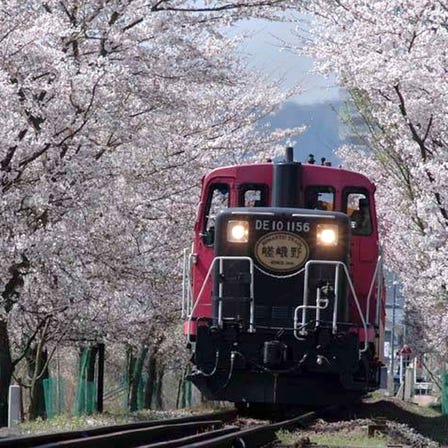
{"x": 283, "y": 294}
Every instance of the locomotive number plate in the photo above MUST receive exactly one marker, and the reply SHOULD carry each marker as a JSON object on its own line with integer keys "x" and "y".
{"x": 282, "y": 252}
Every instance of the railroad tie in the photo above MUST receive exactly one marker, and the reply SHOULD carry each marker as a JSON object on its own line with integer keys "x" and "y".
{"x": 379, "y": 424}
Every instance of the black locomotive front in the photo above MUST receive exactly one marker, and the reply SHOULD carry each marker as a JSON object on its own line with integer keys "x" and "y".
{"x": 262, "y": 265}
{"x": 280, "y": 330}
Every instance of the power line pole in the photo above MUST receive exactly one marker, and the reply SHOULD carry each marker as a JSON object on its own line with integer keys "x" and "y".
{"x": 392, "y": 333}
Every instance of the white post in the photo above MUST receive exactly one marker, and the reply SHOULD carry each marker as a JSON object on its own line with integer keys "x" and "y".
{"x": 401, "y": 373}
{"x": 14, "y": 406}
{"x": 409, "y": 384}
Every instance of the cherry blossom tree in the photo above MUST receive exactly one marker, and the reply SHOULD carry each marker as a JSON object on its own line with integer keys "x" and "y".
{"x": 111, "y": 111}
{"x": 392, "y": 56}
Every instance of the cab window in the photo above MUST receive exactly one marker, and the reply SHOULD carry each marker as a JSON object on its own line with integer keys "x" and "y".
{"x": 319, "y": 198}
{"x": 357, "y": 207}
{"x": 218, "y": 199}
{"x": 253, "y": 195}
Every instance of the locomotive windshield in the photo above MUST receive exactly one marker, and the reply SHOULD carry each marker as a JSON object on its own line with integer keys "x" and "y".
{"x": 358, "y": 208}
{"x": 253, "y": 195}
{"x": 218, "y": 199}
{"x": 319, "y": 198}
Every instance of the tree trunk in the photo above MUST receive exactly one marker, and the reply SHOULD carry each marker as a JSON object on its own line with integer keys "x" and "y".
{"x": 9, "y": 296}
{"x": 180, "y": 386}
{"x": 185, "y": 401}
{"x": 100, "y": 384}
{"x": 150, "y": 381}
{"x": 6, "y": 370}
{"x": 37, "y": 374}
{"x": 130, "y": 365}
{"x": 159, "y": 387}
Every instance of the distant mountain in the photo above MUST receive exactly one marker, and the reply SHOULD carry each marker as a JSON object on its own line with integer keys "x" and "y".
{"x": 325, "y": 131}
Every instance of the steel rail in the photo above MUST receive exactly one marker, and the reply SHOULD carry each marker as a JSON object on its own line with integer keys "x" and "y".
{"x": 138, "y": 437}
{"x": 193, "y": 439}
{"x": 253, "y": 437}
{"x": 262, "y": 435}
{"x": 54, "y": 438}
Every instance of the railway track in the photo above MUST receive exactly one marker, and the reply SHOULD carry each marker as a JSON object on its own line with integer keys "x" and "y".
{"x": 123, "y": 435}
{"x": 208, "y": 430}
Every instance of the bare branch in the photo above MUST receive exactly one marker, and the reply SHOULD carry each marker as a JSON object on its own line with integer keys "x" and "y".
{"x": 228, "y": 7}
{"x": 424, "y": 150}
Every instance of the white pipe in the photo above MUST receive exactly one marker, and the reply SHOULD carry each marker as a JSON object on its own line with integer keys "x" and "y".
{"x": 301, "y": 307}
{"x": 317, "y": 307}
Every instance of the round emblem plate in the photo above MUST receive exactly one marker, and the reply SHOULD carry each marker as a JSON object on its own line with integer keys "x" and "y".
{"x": 281, "y": 252}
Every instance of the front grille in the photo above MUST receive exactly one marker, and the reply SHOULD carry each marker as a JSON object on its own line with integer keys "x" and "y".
{"x": 281, "y": 312}
{"x": 261, "y": 312}
{"x": 276, "y": 316}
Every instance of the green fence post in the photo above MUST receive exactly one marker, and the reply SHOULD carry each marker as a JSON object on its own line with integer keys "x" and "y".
{"x": 80, "y": 397}
{"x": 54, "y": 396}
{"x": 48, "y": 386}
{"x": 85, "y": 399}
{"x": 444, "y": 393}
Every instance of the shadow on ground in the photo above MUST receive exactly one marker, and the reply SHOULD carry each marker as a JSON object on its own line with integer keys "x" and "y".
{"x": 425, "y": 421}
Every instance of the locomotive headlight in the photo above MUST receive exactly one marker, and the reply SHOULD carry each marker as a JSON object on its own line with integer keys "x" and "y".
{"x": 327, "y": 235}
{"x": 238, "y": 231}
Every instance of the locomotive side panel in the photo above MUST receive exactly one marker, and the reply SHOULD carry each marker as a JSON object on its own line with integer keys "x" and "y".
{"x": 222, "y": 188}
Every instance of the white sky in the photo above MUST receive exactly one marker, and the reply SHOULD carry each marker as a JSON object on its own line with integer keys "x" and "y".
{"x": 264, "y": 50}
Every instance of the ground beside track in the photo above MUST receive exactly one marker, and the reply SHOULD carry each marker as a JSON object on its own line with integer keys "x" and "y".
{"x": 65, "y": 422}
{"x": 407, "y": 425}
{"x": 418, "y": 420}
{"x": 427, "y": 421}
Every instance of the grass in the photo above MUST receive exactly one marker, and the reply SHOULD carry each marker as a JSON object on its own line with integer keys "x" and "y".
{"x": 67, "y": 422}
{"x": 335, "y": 439}
{"x": 347, "y": 440}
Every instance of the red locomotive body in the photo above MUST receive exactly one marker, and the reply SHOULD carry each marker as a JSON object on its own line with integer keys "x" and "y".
{"x": 283, "y": 291}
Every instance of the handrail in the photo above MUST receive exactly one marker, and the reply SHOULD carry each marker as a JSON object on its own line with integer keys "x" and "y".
{"x": 321, "y": 304}
{"x": 372, "y": 284}
{"x": 379, "y": 288}
{"x": 184, "y": 285}
{"x": 191, "y": 257}
{"x": 206, "y": 279}
{"x": 187, "y": 293}
{"x": 305, "y": 305}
